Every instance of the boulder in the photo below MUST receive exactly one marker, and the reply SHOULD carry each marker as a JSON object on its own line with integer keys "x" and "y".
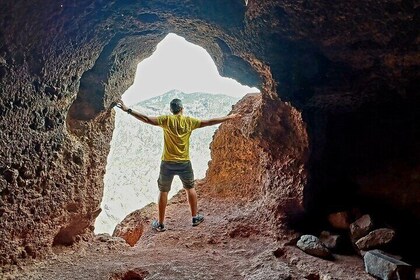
{"x": 361, "y": 227}
{"x": 339, "y": 220}
{"x": 386, "y": 267}
{"x": 375, "y": 239}
{"x": 311, "y": 245}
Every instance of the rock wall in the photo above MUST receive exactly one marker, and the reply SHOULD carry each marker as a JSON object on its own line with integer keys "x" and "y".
{"x": 261, "y": 157}
{"x": 348, "y": 72}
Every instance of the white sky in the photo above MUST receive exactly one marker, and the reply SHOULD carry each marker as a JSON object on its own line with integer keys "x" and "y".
{"x": 178, "y": 64}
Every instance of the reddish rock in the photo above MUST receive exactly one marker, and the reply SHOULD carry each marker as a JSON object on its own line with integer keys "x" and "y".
{"x": 361, "y": 227}
{"x": 339, "y": 220}
{"x": 270, "y": 145}
{"x": 376, "y": 239}
{"x": 132, "y": 227}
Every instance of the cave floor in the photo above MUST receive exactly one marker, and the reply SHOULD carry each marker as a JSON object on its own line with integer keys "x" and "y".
{"x": 227, "y": 245}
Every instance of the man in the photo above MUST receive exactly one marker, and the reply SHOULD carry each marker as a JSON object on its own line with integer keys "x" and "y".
{"x": 177, "y": 129}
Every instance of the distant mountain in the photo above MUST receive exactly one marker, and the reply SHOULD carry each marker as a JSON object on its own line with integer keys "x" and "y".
{"x": 134, "y": 159}
{"x": 198, "y": 104}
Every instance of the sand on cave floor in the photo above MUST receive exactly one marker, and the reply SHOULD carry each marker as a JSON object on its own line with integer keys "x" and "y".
{"x": 227, "y": 245}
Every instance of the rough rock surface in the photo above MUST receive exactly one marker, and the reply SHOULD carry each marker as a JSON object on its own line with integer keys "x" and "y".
{"x": 347, "y": 136}
{"x": 361, "y": 227}
{"x": 261, "y": 157}
{"x": 131, "y": 228}
{"x": 383, "y": 266}
{"x": 313, "y": 246}
{"x": 229, "y": 244}
{"x": 376, "y": 238}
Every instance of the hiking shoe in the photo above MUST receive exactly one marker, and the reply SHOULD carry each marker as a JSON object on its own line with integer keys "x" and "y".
{"x": 197, "y": 220}
{"x": 158, "y": 226}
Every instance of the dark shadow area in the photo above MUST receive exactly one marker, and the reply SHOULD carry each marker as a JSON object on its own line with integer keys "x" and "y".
{"x": 366, "y": 160}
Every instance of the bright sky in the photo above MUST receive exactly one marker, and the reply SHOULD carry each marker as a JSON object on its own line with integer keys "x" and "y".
{"x": 178, "y": 64}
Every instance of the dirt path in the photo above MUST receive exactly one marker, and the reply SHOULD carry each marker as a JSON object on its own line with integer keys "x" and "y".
{"x": 227, "y": 245}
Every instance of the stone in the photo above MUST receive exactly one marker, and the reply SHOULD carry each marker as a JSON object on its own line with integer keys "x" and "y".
{"x": 131, "y": 228}
{"x": 311, "y": 245}
{"x": 361, "y": 227}
{"x": 375, "y": 239}
{"x": 339, "y": 220}
{"x": 331, "y": 241}
{"x": 386, "y": 267}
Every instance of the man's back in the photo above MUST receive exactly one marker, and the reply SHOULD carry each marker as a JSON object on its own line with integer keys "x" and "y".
{"x": 177, "y": 131}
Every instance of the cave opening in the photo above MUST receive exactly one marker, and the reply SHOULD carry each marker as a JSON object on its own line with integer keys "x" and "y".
{"x": 177, "y": 69}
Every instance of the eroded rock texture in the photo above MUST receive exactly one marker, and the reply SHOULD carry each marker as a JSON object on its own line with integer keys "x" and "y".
{"x": 348, "y": 136}
{"x": 261, "y": 157}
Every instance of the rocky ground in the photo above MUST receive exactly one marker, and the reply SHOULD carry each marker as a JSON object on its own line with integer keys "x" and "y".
{"x": 229, "y": 244}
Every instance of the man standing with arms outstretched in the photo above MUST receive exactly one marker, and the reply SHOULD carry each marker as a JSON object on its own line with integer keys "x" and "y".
{"x": 177, "y": 129}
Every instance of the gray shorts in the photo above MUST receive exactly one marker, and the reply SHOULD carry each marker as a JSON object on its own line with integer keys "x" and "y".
{"x": 169, "y": 169}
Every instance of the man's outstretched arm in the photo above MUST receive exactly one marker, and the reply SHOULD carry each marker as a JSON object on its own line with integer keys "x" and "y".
{"x": 137, "y": 115}
{"x": 214, "y": 121}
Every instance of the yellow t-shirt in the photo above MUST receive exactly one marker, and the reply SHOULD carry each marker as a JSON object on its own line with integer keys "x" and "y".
{"x": 176, "y": 136}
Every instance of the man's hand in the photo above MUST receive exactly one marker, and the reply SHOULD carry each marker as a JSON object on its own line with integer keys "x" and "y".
{"x": 150, "y": 120}
{"x": 121, "y": 105}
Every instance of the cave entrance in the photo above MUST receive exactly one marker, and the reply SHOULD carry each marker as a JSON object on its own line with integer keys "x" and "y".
{"x": 177, "y": 69}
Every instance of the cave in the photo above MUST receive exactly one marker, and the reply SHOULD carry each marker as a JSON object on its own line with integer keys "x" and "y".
{"x": 334, "y": 129}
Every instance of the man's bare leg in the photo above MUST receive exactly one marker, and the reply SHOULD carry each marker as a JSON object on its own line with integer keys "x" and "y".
{"x": 192, "y": 200}
{"x": 162, "y": 201}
